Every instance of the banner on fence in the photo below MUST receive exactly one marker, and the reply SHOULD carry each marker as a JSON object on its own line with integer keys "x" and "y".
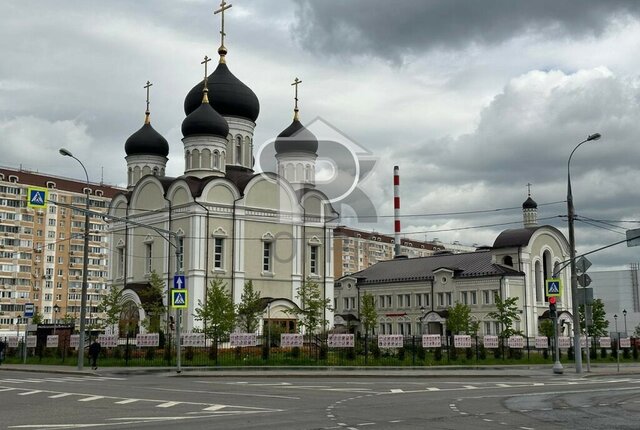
{"x": 564, "y": 342}
{"x": 490, "y": 341}
{"x": 604, "y": 342}
{"x": 107, "y": 340}
{"x": 52, "y": 341}
{"x": 243, "y": 339}
{"x": 431, "y": 341}
{"x": 625, "y": 342}
{"x": 542, "y": 342}
{"x": 390, "y": 341}
{"x": 583, "y": 341}
{"x": 149, "y": 339}
{"x": 340, "y": 341}
{"x": 462, "y": 341}
{"x": 12, "y": 341}
{"x": 74, "y": 341}
{"x": 32, "y": 341}
{"x": 192, "y": 339}
{"x": 291, "y": 340}
{"x": 516, "y": 342}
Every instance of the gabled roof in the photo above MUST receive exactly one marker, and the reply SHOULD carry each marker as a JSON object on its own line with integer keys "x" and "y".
{"x": 467, "y": 265}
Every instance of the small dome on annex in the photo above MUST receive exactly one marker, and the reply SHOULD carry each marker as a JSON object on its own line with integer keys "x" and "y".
{"x": 146, "y": 141}
{"x": 296, "y": 138}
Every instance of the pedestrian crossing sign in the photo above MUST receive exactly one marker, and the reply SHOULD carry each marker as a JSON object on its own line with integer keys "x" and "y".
{"x": 179, "y": 299}
{"x": 37, "y": 197}
{"x": 553, "y": 287}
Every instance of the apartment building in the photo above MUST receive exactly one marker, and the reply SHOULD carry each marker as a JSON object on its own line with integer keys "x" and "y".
{"x": 355, "y": 250}
{"x": 41, "y": 251}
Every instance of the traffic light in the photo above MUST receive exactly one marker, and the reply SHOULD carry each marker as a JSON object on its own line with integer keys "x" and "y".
{"x": 552, "y": 307}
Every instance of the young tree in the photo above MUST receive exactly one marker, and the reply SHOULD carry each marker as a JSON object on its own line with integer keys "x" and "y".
{"x": 368, "y": 313}
{"x": 37, "y": 317}
{"x": 459, "y": 319}
{"x": 111, "y": 306}
{"x": 312, "y": 306}
{"x": 249, "y": 308}
{"x": 506, "y": 313}
{"x": 152, "y": 301}
{"x": 217, "y": 312}
{"x": 636, "y": 332}
{"x": 598, "y": 324}
{"x": 546, "y": 328}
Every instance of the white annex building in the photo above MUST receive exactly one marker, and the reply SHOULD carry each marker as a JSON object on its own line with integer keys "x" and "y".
{"x": 231, "y": 222}
{"x": 413, "y": 295}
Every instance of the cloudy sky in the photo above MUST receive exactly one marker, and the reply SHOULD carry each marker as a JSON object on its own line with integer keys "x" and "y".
{"x": 473, "y": 100}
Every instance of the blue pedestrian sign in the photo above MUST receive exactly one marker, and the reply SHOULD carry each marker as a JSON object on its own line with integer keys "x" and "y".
{"x": 179, "y": 282}
{"x": 37, "y": 197}
{"x": 179, "y": 299}
{"x": 553, "y": 287}
{"x": 29, "y": 309}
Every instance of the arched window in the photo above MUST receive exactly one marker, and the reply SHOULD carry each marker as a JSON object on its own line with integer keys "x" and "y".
{"x": 239, "y": 150}
{"x": 216, "y": 160}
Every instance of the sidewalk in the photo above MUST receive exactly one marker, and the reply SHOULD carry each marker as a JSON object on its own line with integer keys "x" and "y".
{"x": 332, "y": 372}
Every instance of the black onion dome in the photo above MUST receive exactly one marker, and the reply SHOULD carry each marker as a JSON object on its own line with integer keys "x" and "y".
{"x": 529, "y": 204}
{"x": 146, "y": 141}
{"x": 227, "y": 94}
{"x": 205, "y": 120}
{"x": 296, "y": 138}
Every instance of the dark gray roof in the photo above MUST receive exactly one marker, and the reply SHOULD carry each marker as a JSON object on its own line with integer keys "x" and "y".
{"x": 466, "y": 265}
{"x": 514, "y": 237}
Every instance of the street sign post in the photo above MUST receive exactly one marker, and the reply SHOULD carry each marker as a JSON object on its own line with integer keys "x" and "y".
{"x": 179, "y": 299}
{"x": 179, "y": 282}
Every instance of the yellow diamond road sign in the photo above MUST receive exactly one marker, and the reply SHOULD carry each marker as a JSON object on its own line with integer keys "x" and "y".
{"x": 37, "y": 197}
{"x": 179, "y": 299}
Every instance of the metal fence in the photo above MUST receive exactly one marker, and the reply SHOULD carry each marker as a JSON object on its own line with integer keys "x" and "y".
{"x": 315, "y": 351}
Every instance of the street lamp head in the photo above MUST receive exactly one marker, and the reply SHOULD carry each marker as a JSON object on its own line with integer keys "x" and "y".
{"x": 56, "y": 308}
{"x": 594, "y": 136}
{"x": 615, "y": 316}
{"x": 65, "y": 152}
{"x": 624, "y": 312}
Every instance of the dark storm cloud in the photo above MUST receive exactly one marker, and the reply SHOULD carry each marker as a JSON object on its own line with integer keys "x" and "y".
{"x": 389, "y": 29}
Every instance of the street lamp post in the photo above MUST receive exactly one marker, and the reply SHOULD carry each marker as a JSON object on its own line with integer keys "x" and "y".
{"x": 615, "y": 317}
{"x": 56, "y": 309}
{"x": 85, "y": 264}
{"x": 624, "y": 314}
{"x": 572, "y": 257}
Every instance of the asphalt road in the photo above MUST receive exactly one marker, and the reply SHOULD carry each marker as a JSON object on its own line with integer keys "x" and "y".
{"x": 112, "y": 401}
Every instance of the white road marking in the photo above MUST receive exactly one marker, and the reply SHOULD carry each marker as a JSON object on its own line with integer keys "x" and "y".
{"x": 126, "y": 401}
{"x": 28, "y": 393}
{"x": 91, "y": 399}
{"x": 503, "y": 385}
{"x": 228, "y": 394}
{"x": 167, "y": 404}
{"x": 214, "y": 408}
{"x": 6, "y": 389}
{"x": 433, "y": 389}
{"x": 470, "y": 387}
{"x": 397, "y": 390}
{"x": 57, "y": 396}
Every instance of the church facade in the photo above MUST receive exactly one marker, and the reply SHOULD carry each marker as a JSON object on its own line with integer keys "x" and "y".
{"x": 413, "y": 296}
{"x": 227, "y": 221}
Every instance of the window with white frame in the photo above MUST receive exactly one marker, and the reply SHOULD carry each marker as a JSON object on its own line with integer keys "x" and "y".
{"x": 267, "y": 256}
{"x": 440, "y": 299}
{"x": 447, "y": 297}
{"x": 238, "y": 150}
{"x": 487, "y": 327}
{"x": 120, "y": 261}
{"x": 486, "y": 297}
{"x": 181, "y": 254}
{"x": 148, "y": 257}
{"x": 473, "y": 298}
{"x": 464, "y": 298}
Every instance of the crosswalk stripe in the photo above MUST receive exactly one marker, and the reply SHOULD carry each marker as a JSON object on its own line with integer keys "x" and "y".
{"x": 91, "y": 399}
{"x": 28, "y": 393}
{"x": 6, "y": 389}
{"x": 167, "y": 404}
{"x": 57, "y": 396}
{"x": 126, "y": 401}
{"x": 433, "y": 389}
{"x": 214, "y": 408}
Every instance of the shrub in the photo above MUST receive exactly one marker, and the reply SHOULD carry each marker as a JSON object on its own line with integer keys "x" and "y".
{"x": 483, "y": 352}
{"x": 437, "y": 354}
{"x": 150, "y": 354}
{"x": 626, "y": 353}
{"x": 453, "y": 353}
{"x": 189, "y": 353}
{"x": 237, "y": 353}
{"x": 570, "y": 353}
{"x": 324, "y": 351}
{"x": 469, "y": 353}
{"x": 635, "y": 352}
{"x": 295, "y": 352}
{"x": 421, "y": 353}
{"x": 545, "y": 354}
{"x": 497, "y": 353}
{"x": 375, "y": 350}
{"x": 603, "y": 352}
{"x": 593, "y": 353}
{"x": 117, "y": 353}
{"x": 265, "y": 352}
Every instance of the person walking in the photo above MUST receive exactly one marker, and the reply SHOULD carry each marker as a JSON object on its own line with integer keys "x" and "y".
{"x": 94, "y": 352}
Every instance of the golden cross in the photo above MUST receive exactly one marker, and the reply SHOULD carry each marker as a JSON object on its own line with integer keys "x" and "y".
{"x": 147, "y": 111}
{"x": 295, "y": 84}
{"x": 206, "y": 76}
{"x": 529, "y": 189}
{"x": 223, "y": 7}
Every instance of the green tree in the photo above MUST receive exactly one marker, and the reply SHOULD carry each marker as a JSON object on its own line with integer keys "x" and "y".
{"x": 153, "y": 305}
{"x": 249, "y": 309}
{"x": 636, "y": 332}
{"x": 506, "y": 313}
{"x": 111, "y": 305}
{"x": 459, "y": 319}
{"x": 37, "y": 317}
{"x": 599, "y": 324}
{"x": 546, "y": 328}
{"x": 368, "y": 313}
{"x": 217, "y": 312}
{"x": 312, "y": 306}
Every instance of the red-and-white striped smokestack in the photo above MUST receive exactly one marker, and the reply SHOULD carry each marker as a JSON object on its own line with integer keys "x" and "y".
{"x": 396, "y": 209}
